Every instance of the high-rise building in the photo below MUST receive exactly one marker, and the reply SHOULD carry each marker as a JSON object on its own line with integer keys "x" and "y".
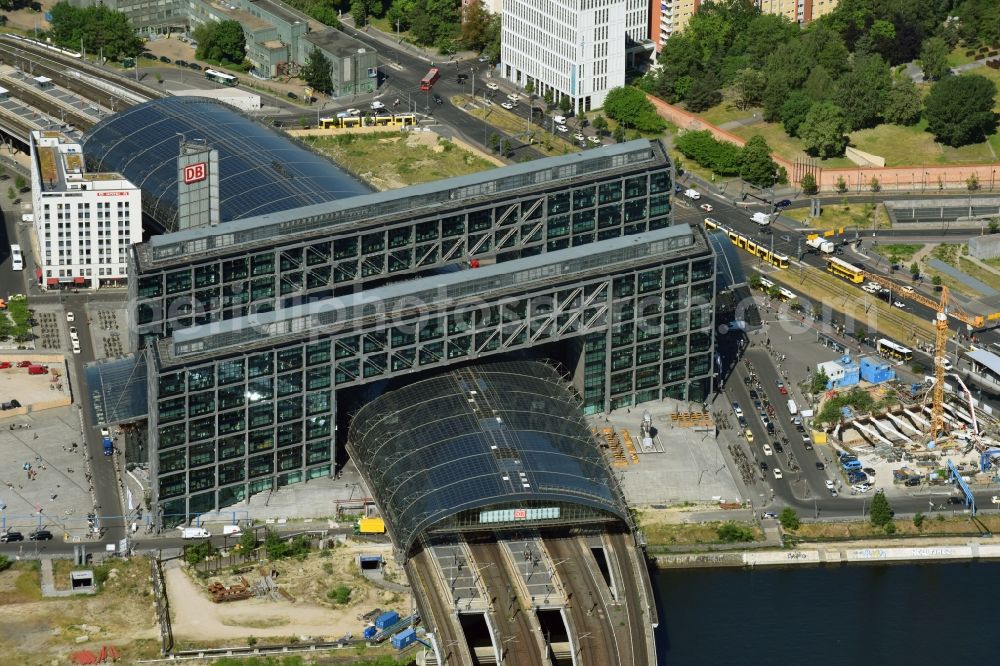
{"x": 670, "y": 17}
{"x": 84, "y": 221}
{"x": 578, "y": 49}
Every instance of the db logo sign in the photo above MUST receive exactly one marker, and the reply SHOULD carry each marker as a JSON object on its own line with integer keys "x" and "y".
{"x": 194, "y": 173}
{"x": 520, "y": 514}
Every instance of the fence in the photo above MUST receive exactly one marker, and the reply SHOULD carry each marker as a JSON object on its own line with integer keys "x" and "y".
{"x": 162, "y": 607}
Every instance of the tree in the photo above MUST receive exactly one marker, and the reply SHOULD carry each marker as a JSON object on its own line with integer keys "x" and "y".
{"x": 820, "y": 86}
{"x": 789, "y": 519}
{"x": 881, "y": 511}
{"x": 994, "y": 227}
{"x": 619, "y": 134}
{"x": 937, "y": 281}
{"x": 794, "y": 111}
{"x": 248, "y": 540}
{"x": 97, "y": 28}
{"x": 566, "y": 104}
{"x": 548, "y": 98}
{"x": 316, "y": 71}
{"x": 703, "y": 94}
{"x": 918, "y": 520}
{"x": 494, "y": 142}
{"x": 934, "y": 58}
{"x": 434, "y": 22}
{"x": 902, "y": 106}
{"x": 820, "y": 380}
{"x": 5, "y": 563}
{"x": 840, "y": 185}
{"x": 220, "y": 42}
{"x": 505, "y": 148}
{"x": 862, "y": 92}
{"x": 756, "y": 165}
{"x": 600, "y": 125}
{"x": 972, "y": 182}
{"x": 476, "y": 20}
{"x": 731, "y": 533}
{"x": 748, "y": 87}
{"x": 629, "y": 105}
{"x": 959, "y": 109}
{"x": 914, "y": 270}
{"x": 874, "y": 185}
{"x": 823, "y": 130}
{"x": 529, "y": 88}
{"x": 21, "y": 183}
{"x": 11, "y": 194}
{"x": 722, "y": 157}
{"x": 808, "y": 183}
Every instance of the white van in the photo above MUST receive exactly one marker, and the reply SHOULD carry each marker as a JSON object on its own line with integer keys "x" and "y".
{"x": 195, "y": 533}
{"x": 16, "y": 258}
{"x": 559, "y": 120}
{"x": 792, "y": 407}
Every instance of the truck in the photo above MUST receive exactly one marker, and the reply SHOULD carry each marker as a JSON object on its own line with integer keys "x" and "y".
{"x": 792, "y": 407}
{"x": 763, "y": 219}
{"x": 37, "y": 369}
{"x": 370, "y": 526}
{"x": 195, "y": 533}
{"x": 692, "y": 194}
{"x": 109, "y": 446}
{"x": 821, "y": 245}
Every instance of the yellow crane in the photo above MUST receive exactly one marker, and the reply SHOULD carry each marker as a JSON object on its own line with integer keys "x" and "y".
{"x": 940, "y": 352}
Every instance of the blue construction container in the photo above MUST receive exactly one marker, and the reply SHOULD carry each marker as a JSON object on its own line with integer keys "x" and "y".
{"x": 387, "y": 619}
{"x": 876, "y": 371}
{"x": 370, "y": 631}
{"x": 404, "y": 638}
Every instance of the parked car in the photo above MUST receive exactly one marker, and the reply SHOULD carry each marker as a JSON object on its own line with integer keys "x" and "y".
{"x": 291, "y": 95}
{"x": 195, "y": 66}
{"x": 508, "y": 106}
{"x": 784, "y": 203}
{"x": 579, "y": 137}
{"x": 956, "y": 500}
{"x": 912, "y": 482}
{"x": 181, "y": 63}
{"x": 513, "y": 97}
{"x": 5, "y": 365}
{"x": 490, "y": 84}
{"x": 40, "y": 535}
{"x": 594, "y": 139}
{"x": 70, "y": 317}
{"x": 9, "y": 537}
{"x": 830, "y": 485}
{"x": 754, "y": 395}
{"x": 861, "y": 487}
{"x": 562, "y": 128}
{"x": 768, "y": 515}
{"x": 165, "y": 59}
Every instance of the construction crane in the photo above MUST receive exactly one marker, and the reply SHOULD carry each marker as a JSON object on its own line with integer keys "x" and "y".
{"x": 975, "y": 321}
{"x": 940, "y": 352}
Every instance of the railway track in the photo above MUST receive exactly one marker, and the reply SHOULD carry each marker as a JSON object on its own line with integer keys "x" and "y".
{"x": 74, "y": 75}
{"x": 46, "y": 105}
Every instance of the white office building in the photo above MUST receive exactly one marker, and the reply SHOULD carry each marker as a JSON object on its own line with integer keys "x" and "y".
{"x": 84, "y": 222}
{"x": 575, "y": 48}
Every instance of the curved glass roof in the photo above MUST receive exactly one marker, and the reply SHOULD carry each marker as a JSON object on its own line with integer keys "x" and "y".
{"x": 482, "y": 436}
{"x": 260, "y": 170}
{"x": 728, "y": 269}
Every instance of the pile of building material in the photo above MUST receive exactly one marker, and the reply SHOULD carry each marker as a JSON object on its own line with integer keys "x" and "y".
{"x": 221, "y": 593}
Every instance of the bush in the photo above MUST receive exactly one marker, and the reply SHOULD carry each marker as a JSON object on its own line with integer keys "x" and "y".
{"x": 277, "y": 548}
{"x": 789, "y": 519}
{"x": 196, "y": 553}
{"x": 722, "y": 157}
{"x": 340, "y": 594}
{"x": 731, "y": 533}
{"x": 918, "y": 520}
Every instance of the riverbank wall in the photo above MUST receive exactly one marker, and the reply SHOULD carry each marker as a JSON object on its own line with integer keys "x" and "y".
{"x": 832, "y": 554}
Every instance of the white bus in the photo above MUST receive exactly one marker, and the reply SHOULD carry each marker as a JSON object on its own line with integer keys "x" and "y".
{"x": 221, "y": 77}
{"x": 16, "y": 260}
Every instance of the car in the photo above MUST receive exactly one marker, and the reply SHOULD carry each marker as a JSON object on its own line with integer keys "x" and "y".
{"x": 781, "y": 388}
{"x": 23, "y": 364}
{"x": 490, "y": 84}
{"x": 956, "y": 500}
{"x": 70, "y": 317}
{"x": 830, "y": 485}
{"x": 76, "y": 346}
{"x": 559, "y": 120}
{"x": 165, "y": 59}
{"x": 594, "y": 139}
{"x": 376, "y": 105}
{"x": 40, "y": 535}
{"x": 754, "y": 395}
{"x": 899, "y": 304}
{"x": 768, "y": 451}
{"x": 461, "y": 78}
{"x": 514, "y": 97}
{"x": 438, "y": 100}
{"x": 737, "y": 409}
{"x": 777, "y": 473}
{"x": 742, "y": 421}
{"x": 768, "y": 515}
{"x": 291, "y": 95}
{"x": 784, "y": 203}
{"x": 748, "y": 434}
{"x": 73, "y": 335}
{"x": 484, "y": 59}
{"x": 870, "y": 472}
{"x": 912, "y": 482}
{"x": 807, "y": 444}
{"x": 579, "y": 137}
{"x": 907, "y": 289}
{"x": 777, "y": 446}
{"x": 147, "y": 55}
{"x": 354, "y": 112}
{"x": 746, "y": 380}
{"x": 706, "y": 207}
{"x": 105, "y": 432}
{"x": 820, "y": 466}
{"x": 195, "y": 66}
{"x": 508, "y": 106}
{"x": 9, "y": 537}
{"x": 763, "y": 466}
{"x": 861, "y": 487}
{"x": 562, "y": 128}
{"x": 181, "y": 63}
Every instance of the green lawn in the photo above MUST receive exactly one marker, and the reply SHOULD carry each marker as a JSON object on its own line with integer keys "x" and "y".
{"x": 788, "y": 147}
{"x": 957, "y": 56}
{"x": 726, "y": 112}
{"x": 901, "y": 146}
{"x": 902, "y": 252}
{"x": 834, "y": 216}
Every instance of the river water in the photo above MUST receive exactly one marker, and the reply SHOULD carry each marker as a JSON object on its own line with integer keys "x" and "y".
{"x": 845, "y": 615}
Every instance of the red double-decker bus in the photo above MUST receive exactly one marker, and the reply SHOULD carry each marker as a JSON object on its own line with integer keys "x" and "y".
{"x": 428, "y": 81}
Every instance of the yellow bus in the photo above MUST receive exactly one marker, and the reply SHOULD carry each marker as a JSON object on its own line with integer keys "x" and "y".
{"x": 888, "y": 349}
{"x": 849, "y": 272}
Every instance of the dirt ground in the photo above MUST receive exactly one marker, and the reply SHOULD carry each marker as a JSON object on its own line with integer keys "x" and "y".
{"x": 196, "y": 619}
{"x": 27, "y": 20}
{"x": 36, "y": 631}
